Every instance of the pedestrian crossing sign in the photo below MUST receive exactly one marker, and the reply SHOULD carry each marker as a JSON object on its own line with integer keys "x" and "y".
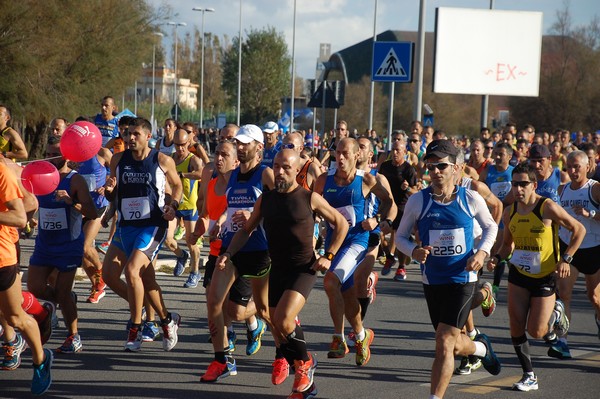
{"x": 392, "y": 62}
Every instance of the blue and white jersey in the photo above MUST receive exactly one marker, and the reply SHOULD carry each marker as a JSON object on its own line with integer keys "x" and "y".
{"x": 268, "y": 155}
{"x": 350, "y": 202}
{"x": 140, "y": 191}
{"x": 94, "y": 174}
{"x": 60, "y": 225}
{"x": 372, "y": 205}
{"x": 499, "y": 182}
{"x": 448, "y": 229}
{"x": 241, "y": 196}
{"x": 108, "y": 128}
{"x": 549, "y": 188}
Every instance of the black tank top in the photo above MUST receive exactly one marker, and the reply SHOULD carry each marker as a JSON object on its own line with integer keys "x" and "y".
{"x": 289, "y": 224}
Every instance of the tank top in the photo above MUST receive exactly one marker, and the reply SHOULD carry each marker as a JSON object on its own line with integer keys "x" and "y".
{"x": 549, "y": 188}
{"x": 108, "y": 128}
{"x": 536, "y": 245}
{"x": 94, "y": 174}
{"x": 302, "y": 176}
{"x": 141, "y": 191}
{"x": 167, "y": 149}
{"x": 350, "y": 202}
{"x": 5, "y": 145}
{"x": 372, "y": 206}
{"x": 499, "y": 181}
{"x": 190, "y": 186}
{"x": 269, "y": 155}
{"x": 215, "y": 206}
{"x": 582, "y": 197}
{"x": 241, "y": 196}
{"x": 448, "y": 229}
{"x": 59, "y": 224}
{"x": 289, "y": 222}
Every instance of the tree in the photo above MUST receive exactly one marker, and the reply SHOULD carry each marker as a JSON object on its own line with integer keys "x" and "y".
{"x": 265, "y": 74}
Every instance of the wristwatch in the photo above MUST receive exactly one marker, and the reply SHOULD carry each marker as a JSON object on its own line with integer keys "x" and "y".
{"x": 567, "y": 258}
{"x": 329, "y": 256}
{"x": 592, "y": 214}
{"x": 389, "y": 222}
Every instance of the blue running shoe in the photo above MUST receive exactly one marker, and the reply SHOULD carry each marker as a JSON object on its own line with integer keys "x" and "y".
{"x": 560, "y": 350}
{"x": 150, "y": 331}
{"x": 231, "y": 366}
{"x": 42, "y": 376}
{"x": 71, "y": 345}
{"x": 12, "y": 353}
{"x": 254, "y": 338}
{"x": 180, "y": 265}
{"x": 193, "y": 280}
{"x": 490, "y": 361}
{"x": 231, "y": 339}
{"x": 526, "y": 383}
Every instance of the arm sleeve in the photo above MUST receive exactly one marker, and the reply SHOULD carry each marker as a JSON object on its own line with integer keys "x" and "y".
{"x": 483, "y": 216}
{"x": 409, "y": 219}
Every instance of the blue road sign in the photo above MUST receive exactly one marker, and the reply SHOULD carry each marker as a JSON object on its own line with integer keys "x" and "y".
{"x": 392, "y": 62}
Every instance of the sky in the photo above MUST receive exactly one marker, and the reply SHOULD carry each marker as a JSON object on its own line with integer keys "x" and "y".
{"x": 342, "y": 23}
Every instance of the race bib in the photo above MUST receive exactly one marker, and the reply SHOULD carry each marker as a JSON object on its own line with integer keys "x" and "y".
{"x": 90, "y": 180}
{"x": 528, "y": 261}
{"x": 53, "y": 219}
{"x": 449, "y": 242}
{"x": 501, "y": 189}
{"x": 135, "y": 208}
{"x": 230, "y": 224}
{"x": 348, "y": 214}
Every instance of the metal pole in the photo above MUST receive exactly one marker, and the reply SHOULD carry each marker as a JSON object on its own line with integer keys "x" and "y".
{"x": 420, "y": 61}
{"x": 485, "y": 99}
{"x": 291, "y": 129}
{"x": 372, "y": 97}
{"x": 324, "y": 93}
{"x": 203, "y": 10}
{"x": 239, "y": 88}
{"x": 153, "y": 81}
{"x": 135, "y": 97}
{"x": 315, "y": 133}
{"x": 391, "y": 116}
{"x": 175, "y": 75}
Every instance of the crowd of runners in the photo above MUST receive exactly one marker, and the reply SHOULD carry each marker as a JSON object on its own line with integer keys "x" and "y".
{"x": 275, "y": 214}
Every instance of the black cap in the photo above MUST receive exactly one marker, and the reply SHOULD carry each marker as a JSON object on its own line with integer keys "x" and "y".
{"x": 538, "y": 151}
{"x": 441, "y": 149}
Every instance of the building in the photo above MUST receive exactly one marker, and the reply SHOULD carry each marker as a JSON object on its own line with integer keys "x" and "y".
{"x": 187, "y": 92}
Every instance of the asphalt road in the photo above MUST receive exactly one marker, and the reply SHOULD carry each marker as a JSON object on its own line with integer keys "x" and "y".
{"x": 402, "y": 352}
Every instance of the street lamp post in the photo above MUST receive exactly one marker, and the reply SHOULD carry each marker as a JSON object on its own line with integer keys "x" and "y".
{"x": 154, "y": 79}
{"x": 175, "y": 25}
{"x": 239, "y": 88}
{"x": 203, "y": 10}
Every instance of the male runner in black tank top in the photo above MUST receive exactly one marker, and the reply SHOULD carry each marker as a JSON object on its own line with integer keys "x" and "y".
{"x": 287, "y": 214}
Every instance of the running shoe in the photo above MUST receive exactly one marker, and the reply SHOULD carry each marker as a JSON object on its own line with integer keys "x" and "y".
{"x": 372, "y": 286}
{"x": 526, "y": 383}
{"x": 231, "y": 365}
{"x": 255, "y": 337}
{"x": 495, "y": 290}
{"x": 134, "y": 340}
{"x": 150, "y": 331}
{"x": 181, "y": 262}
{"x": 231, "y": 340}
{"x": 400, "y": 274}
{"x": 170, "y": 332}
{"x": 338, "y": 348}
{"x": 305, "y": 371}
{"x": 46, "y": 326}
{"x": 42, "y": 376}
{"x": 475, "y": 362}
{"x": 382, "y": 260}
{"x": 96, "y": 295}
{"x": 308, "y": 394}
{"x": 351, "y": 338}
{"x": 560, "y": 350}
{"x": 216, "y": 371}
{"x": 192, "y": 281}
{"x": 363, "y": 348}
{"x": 179, "y": 233}
{"x": 281, "y": 371}
{"x": 464, "y": 368}
{"x": 103, "y": 247}
{"x": 488, "y": 306}
{"x": 561, "y": 325}
{"x": 490, "y": 361}
{"x": 71, "y": 345}
{"x": 12, "y": 352}
{"x": 387, "y": 267}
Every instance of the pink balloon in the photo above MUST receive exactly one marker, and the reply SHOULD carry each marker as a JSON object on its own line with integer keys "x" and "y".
{"x": 40, "y": 177}
{"x": 80, "y": 141}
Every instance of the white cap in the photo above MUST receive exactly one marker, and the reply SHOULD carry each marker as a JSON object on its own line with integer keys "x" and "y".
{"x": 270, "y": 127}
{"x": 248, "y": 133}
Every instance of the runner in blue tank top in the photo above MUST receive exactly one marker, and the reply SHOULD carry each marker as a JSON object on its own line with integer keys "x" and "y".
{"x": 94, "y": 173}
{"x": 137, "y": 183}
{"x": 246, "y": 184}
{"x": 59, "y": 243}
{"x": 443, "y": 214}
{"x": 346, "y": 189}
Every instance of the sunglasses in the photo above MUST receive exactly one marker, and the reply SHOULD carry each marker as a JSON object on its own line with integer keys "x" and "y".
{"x": 288, "y": 146}
{"x": 520, "y": 183}
{"x": 439, "y": 165}
{"x": 489, "y": 148}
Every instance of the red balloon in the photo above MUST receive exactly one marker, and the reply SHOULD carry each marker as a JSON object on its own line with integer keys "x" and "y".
{"x": 80, "y": 141}
{"x": 40, "y": 177}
